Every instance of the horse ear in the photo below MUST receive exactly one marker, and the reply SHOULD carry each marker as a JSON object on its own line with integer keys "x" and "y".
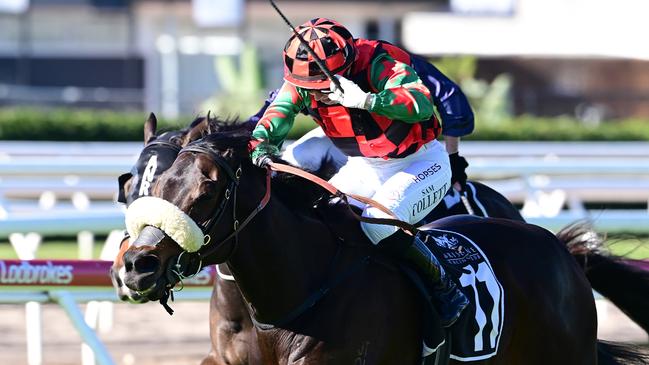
{"x": 209, "y": 125}
{"x": 150, "y": 127}
{"x": 198, "y": 131}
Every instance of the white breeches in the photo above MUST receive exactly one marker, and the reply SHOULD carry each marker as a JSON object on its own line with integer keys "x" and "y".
{"x": 410, "y": 187}
{"x": 311, "y": 150}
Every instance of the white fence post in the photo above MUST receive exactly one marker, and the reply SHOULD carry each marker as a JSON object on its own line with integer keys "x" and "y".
{"x": 26, "y": 247}
{"x": 86, "y": 244}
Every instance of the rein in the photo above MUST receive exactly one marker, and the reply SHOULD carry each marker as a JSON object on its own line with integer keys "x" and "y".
{"x": 274, "y": 166}
{"x": 394, "y": 221}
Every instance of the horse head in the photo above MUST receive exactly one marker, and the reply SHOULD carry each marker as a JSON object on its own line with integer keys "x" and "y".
{"x": 191, "y": 218}
{"x": 158, "y": 154}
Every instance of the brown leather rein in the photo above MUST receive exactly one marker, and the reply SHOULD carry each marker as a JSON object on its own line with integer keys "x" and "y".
{"x": 394, "y": 221}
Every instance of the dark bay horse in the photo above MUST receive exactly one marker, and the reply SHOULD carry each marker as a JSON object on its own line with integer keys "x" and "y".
{"x": 231, "y": 330}
{"x": 550, "y": 306}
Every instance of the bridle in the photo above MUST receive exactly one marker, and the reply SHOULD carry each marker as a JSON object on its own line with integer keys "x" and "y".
{"x": 230, "y": 190}
{"x": 229, "y": 195}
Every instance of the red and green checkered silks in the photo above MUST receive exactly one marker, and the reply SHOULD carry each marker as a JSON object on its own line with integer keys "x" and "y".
{"x": 398, "y": 123}
{"x": 403, "y": 95}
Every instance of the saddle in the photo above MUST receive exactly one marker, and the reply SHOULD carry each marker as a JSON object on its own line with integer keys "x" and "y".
{"x": 475, "y": 336}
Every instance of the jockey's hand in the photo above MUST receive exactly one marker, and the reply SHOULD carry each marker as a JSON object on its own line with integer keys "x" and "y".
{"x": 458, "y": 168}
{"x": 263, "y": 161}
{"x": 353, "y": 97}
{"x": 263, "y": 154}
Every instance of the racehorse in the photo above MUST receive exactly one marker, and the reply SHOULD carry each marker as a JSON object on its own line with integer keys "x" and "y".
{"x": 551, "y": 308}
{"x": 231, "y": 329}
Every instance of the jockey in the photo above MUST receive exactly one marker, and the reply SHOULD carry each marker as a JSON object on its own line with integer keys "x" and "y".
{"x": 385, "y": 122}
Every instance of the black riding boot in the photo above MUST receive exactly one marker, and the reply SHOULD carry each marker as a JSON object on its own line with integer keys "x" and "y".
{"x": 449, "y": 300}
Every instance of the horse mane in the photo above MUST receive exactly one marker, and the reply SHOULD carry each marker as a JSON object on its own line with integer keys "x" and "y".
{"x": 228, "y": 134}
{"x": 292, "y": 190}
{"x": 228, "y": 124}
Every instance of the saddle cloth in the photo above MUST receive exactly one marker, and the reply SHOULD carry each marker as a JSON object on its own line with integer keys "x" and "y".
{"x": 476, "y": 334}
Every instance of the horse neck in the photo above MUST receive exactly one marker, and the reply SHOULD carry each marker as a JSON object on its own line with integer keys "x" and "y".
{"x": 282, "y": 256}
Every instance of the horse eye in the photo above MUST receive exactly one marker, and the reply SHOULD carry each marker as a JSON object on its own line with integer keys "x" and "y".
{"x": 208, "y": 190}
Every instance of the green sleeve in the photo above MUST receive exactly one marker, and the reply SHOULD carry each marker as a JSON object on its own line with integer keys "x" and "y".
{"x": 402, "y": 95}
{"x": 277, "y": 121}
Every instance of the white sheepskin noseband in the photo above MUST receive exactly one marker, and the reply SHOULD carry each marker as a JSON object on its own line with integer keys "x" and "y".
{"x": 151, "y": 211}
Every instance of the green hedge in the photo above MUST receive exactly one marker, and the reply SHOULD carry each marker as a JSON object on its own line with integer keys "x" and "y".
{"x": 529, "y": 128}
{"x": 91, "y": 125}
{"x": 94, "y": 125}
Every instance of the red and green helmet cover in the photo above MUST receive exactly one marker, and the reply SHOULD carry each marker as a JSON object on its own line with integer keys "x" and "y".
{"x": 330, "y": 41}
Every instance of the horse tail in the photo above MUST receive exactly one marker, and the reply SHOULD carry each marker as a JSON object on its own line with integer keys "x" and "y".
{"x": 612, "y": 276}
{"x": 610, "y": 353}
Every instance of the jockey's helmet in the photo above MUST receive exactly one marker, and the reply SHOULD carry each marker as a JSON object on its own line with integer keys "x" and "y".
{"x": 330, "y": 41}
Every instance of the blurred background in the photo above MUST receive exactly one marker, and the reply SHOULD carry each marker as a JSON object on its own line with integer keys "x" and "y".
{"x": 579, "y": 58}
{"x": 560, "y": 89}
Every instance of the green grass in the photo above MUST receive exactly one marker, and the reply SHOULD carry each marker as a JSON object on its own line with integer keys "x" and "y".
{"x": 51, "y": 250}
{"x": 633, "y": 248}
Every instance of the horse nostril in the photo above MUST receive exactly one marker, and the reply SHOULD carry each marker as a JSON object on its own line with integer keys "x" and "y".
{"x": 148, "y": 263}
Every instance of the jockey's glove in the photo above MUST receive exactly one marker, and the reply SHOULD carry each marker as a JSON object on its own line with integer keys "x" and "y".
{"x": 263, "y": 154}
{"x": 352, "y": 97}
{"x": 458, "y": 169}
